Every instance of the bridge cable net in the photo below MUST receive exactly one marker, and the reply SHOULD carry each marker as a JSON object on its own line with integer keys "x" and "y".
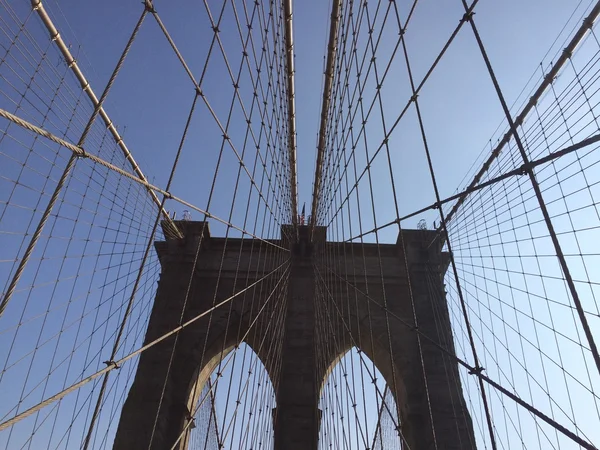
{"x": 521, "y": 279}
{"x": 79, "y": 219}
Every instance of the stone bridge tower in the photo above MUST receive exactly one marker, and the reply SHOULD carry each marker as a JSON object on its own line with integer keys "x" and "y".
{"x": 297, "y": 417}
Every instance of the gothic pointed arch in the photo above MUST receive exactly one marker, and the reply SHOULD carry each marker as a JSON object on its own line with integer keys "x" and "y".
{"x": 226, "y": 389}
{"x": 222, "y": 311}
{"x": 358, "y": 417}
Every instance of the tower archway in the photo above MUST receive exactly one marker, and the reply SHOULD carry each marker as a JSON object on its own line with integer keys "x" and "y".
{"x": 358, "y": 408}
{"x": 300, "y": 328}
{"x": 232, "y": 407}
{"x": 230, "y": 316}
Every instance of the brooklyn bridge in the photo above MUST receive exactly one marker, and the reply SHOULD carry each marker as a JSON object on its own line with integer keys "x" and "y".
{"x": 183, "y": 265}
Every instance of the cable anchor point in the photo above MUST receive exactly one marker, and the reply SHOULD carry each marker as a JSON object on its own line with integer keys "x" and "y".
{"x": 467, "y": 17}
{"x": 112, "y": 364}
{"x": 149, "y": 6}
{"x": 476, "y": 370}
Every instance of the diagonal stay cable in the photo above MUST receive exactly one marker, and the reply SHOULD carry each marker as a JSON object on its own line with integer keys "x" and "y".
{"x": 587, "y": 24}
{"x": 231, "y": 357}
{"x": 400, "y": 116}
{"x": 474, "y": 371}
{"x": 66, "y": 172}
{"x": 202, "y": 95}
{"x": 85, "y": 85}
{"x": 466, "y": 192}
{"x": 116, "y": 364}
{"x": 370, "y": 372}
{"x": 84, "y": 154}
{"x": 538, "y": 193}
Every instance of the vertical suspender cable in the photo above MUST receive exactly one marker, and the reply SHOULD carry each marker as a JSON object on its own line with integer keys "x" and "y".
{"x": 587, "y": 24}
{"x": 85, "y": 85}
{"x": 513, "y": 133}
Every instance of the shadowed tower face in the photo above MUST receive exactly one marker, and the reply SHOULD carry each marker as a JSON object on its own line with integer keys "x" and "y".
{"x": 319, "y": 321}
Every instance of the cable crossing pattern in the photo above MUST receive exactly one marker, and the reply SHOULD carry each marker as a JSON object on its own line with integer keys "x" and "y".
{"x": 160, "y": 287}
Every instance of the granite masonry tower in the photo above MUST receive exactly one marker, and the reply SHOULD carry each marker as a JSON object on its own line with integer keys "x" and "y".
{"x": 423, "y": 407}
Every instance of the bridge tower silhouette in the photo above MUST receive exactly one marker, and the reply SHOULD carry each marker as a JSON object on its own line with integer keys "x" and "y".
{"x": 162, "y": 288}
{"x": 425, "y": 380}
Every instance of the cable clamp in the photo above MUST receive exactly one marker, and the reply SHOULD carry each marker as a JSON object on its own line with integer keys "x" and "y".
{"x": 568, "y": 53}
{"x": 81, "y": 153}
{"x": 149, "y": 7}
{"x": 112, "y": 364}
{"x": 467, "y": 17}
{"x": 525, "y": 169}
{"x": 476, "y": 370}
